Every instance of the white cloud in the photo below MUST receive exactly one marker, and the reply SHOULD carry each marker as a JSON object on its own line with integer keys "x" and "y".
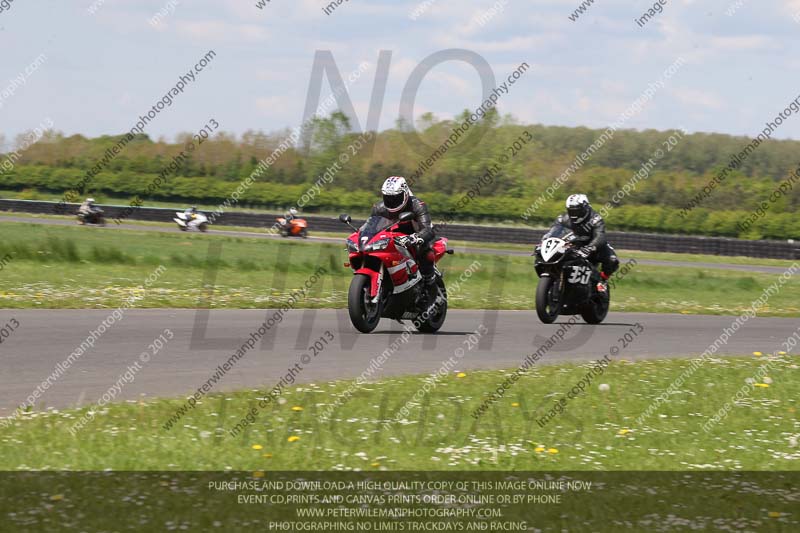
{"x": 217, "y": 31}
{"x": 695, "y": 97}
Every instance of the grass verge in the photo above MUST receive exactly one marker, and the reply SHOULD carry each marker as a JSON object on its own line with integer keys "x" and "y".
{"x": 79, "y": 267}
{"x": 597, "y": 431}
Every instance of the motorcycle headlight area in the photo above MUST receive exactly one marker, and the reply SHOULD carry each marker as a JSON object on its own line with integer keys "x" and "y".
{"x": 381, "y": 244}
{"x": 351, "y": 246}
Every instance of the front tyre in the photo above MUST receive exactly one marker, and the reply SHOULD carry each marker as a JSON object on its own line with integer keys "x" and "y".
{"x": 438, "y": 311}
{"x": 548, "y": 299}
{"x": 203, "y": 227}
{"x": 364, "y": 314}
{"x": 304, "y": 233}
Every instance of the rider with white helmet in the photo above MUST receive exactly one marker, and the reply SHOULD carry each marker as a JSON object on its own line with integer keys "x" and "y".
{"x": 397, "y": 199}
{"x": 87, "y": 206}
{"x": 590, "y": 232}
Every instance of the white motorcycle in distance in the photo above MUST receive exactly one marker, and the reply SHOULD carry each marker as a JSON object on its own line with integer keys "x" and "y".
{"x": 187, "y": 221}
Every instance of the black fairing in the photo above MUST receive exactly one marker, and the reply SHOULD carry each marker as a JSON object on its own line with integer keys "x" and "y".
{"x": 575, "y": 294}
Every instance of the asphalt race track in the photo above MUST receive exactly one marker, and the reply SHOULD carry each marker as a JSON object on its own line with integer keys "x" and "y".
{"x": 46, "y": 337}
{"x": 171, "y": 228}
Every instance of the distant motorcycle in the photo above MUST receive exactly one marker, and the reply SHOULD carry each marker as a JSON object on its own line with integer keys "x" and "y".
{"x": 190, "y": 221}
{"x": 94, "y": 217}
{"x": 386, "y": 278}
{"x": 296, "y": 227}
{"x": 567, "y": 281}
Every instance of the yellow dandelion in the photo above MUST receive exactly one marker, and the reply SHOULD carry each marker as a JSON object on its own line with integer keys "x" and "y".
{"x": 257, "y": 446}
{"x": 297, "y": 408}
{"x": 758, "y": 354}
{"x": 552, "y": 450}
{"x": 56, "y": 497}
{"x": 761, "y": 385}
{"x": 624, "y": 431}
{"x": 515, "y": 404}
{"x": 376, "y": 464}
{"x": 258, "y": 473}
{"x": 293, "y": 438}
{"x": 461, "y": 375}
{"x": 781, "y": 353}
{"x": 267, "y": 455}
{"x": 775, "y": 514}
{"x": 539, "y": 449}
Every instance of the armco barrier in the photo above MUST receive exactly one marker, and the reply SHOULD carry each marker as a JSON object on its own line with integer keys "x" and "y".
{"x": 621, "y": 240}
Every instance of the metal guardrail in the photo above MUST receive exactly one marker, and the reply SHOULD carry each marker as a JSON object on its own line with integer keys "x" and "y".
{"x": 623, "y": 240}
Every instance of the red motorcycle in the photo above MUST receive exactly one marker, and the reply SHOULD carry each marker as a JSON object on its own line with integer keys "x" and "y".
{"x": 387, "y": 282}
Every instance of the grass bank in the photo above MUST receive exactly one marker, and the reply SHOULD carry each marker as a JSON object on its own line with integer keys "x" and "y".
{"x": 81, "y": 267}
{"x": 598, "y": 430}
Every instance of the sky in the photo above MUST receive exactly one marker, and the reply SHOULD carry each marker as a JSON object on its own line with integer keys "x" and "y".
{"x": 105, "y": 62}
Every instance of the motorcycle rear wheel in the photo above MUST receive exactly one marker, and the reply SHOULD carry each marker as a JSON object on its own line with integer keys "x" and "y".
{"x": 546, "y": 309}
{"x": 364, "y": 314}
{"x": 597, "y": 310}
{"x": 435, "y": 320}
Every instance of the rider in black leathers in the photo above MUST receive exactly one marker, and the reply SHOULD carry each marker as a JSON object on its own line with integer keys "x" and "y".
{"x": 590, "y": 231}
{"x": 398, "y": 199}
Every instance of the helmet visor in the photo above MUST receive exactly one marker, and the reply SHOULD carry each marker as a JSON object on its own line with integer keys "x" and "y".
{"x": 394, "y": 202}
{"x": 576, "y": 213}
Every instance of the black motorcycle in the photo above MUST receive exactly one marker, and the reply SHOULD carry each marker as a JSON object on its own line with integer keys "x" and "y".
{"x": 93, "y": 217}
{"x": 567, "y": 280}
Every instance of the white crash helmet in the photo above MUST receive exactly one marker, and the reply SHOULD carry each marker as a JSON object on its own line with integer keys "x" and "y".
{"x": 293, "y": 211}
{"x": 578, "y": 208}
{"x": 395, "y": 192}
{"x": 90, "y": 200}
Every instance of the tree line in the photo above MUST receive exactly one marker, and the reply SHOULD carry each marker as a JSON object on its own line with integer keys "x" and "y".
{"x": 209, "y": 173}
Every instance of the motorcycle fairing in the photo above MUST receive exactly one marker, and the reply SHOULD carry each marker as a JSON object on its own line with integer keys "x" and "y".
{"x": 376, "y": 279}
{"x": 550, "y": 247}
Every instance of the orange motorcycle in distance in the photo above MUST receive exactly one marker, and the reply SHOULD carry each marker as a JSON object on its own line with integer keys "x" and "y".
{"x": 297, "y": 227}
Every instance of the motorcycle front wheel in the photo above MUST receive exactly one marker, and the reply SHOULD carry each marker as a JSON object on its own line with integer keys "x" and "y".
{"x": 548, "y": 299}
{"x": 364, "y": 314}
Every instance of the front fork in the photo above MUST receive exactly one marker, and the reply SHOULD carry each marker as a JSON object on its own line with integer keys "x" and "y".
{"x": 379, "y": 284}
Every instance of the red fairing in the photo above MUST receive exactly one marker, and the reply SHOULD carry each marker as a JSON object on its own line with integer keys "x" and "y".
{"x": 374, "y": 278}
{"x": 400, "y": 273}
{"x": 439, "y": 248}
{"x": 398, "y": 265}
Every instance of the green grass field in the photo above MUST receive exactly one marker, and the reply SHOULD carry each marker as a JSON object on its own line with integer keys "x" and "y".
{"x": 81, "y": 267}
{"x": 597, "y": 431}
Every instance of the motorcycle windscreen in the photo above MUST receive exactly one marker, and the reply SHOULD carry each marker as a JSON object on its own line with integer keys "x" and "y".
{"x": 373, "y": 226}
{"x": 558, "y": 231}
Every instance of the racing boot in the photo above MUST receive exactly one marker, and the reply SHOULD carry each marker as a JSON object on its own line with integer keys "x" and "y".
{"x": 602, "y": 285}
